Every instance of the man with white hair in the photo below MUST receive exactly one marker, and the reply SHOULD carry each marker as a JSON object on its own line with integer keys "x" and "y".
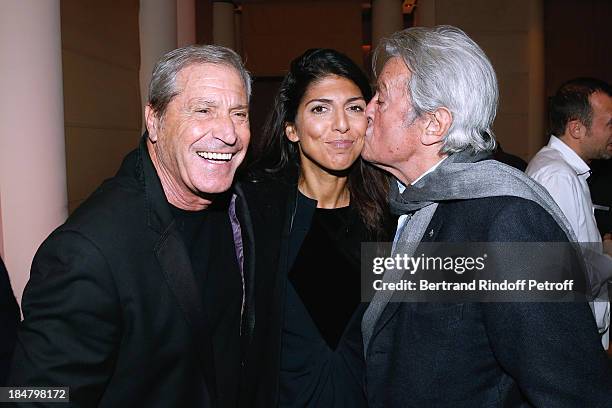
{"x": 430, "y": 127}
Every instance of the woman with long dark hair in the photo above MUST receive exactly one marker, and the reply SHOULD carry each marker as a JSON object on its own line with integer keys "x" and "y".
{"x": 309, "y": 158}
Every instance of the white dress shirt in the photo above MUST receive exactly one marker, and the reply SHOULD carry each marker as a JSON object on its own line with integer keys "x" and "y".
{"x": 564, "y": 174}
{"x": 401, "y": 221}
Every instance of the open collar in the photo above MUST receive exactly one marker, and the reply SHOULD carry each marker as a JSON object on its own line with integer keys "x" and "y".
{"x": 570, "y": 156}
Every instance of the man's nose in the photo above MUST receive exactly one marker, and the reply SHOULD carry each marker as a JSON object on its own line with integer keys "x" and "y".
{"x": 370, "y": 108}
{"x": 225, "y": 130}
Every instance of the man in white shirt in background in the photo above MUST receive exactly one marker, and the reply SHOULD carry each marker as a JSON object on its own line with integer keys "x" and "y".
{"x": 581, "y": 130}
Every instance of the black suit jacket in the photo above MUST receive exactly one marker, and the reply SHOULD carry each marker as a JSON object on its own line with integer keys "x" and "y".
{"x": 275, "y": 202}
{"x": 9, "y": 318}
{"x": 112, "y": 308}
{"x": 488, "y": 354}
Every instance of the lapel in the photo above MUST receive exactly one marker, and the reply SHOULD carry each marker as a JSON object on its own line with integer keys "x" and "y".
{"x": 301, "y": 210}
{"x": 175, "y": 264}
{"x": 384, "y": 305}
{"x": 248, "y": 268}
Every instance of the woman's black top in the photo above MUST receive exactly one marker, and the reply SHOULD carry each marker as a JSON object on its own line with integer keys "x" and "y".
{"x": 322, "y": 353}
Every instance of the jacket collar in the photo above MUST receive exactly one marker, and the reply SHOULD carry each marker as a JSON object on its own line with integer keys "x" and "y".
{"x": 159, "y": 216}
{"x": 138, "y": 165}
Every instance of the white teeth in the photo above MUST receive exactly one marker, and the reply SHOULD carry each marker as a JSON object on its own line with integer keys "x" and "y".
{"x": 215, "y": 156}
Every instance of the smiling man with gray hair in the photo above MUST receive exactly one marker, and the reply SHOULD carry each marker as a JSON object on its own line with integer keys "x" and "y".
{"x": 430, "y": 127}
{"x": 145, "y": 297}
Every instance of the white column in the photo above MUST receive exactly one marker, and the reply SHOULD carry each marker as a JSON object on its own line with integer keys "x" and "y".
{"x": 387, "y": 18}
{"x": 185, "y": 22}
{"x": 158, "y": 35}
{"x": 223, "y": 24}
{"x": 32, "y": 148}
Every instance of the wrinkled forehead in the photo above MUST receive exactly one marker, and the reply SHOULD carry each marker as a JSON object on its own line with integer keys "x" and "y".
{"x": 197, "y": 77}
{"x": 394, "y": 75}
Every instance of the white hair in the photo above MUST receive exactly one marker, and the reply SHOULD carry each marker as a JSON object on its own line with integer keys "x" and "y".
{"x": 448, "y": 70}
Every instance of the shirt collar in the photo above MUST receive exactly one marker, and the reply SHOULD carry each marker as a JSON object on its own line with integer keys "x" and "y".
{"x": 570, "y": 156}
{"x": 402, "y": 187}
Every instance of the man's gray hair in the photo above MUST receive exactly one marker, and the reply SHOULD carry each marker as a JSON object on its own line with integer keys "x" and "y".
{"x": 162, "y": 87}
{"x": 448, "y": 70}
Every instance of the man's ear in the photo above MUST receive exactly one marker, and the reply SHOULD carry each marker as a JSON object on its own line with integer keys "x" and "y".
{"x": 291, "y": 132}
{"x": 437, "y": 124}
{"x": 152, "y": 123}
{"x": 575, "y": 129}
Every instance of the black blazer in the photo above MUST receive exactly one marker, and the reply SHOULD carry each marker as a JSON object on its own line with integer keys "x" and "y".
{"x": 9, "y": 319}
{"x": 488, "y": 354}
{"x": 271, "y": 205}
{"x": 113, "y": 310}
{"x": 276, "y": 203}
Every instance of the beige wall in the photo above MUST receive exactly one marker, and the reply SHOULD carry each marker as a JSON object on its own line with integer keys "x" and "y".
{"x": 511, "y": 34}
{"x": 100, "y": 56}
{"x": 577, "y": 40}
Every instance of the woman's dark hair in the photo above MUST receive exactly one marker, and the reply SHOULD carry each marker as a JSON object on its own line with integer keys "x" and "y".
{"x": 276, "y": 154}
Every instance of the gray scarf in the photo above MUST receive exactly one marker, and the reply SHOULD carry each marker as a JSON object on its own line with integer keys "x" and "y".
{"x": 462, "y": 176}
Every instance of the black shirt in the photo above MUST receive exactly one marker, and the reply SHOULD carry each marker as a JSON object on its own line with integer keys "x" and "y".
{"x": 209, "y": 240}
{"x": 326, "y": 271}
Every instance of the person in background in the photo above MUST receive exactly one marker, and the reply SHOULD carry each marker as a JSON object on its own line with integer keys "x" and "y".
{"x": 580, "y": 116}
{"x": 9, "y": 319}
{"x": 331, "y": 202}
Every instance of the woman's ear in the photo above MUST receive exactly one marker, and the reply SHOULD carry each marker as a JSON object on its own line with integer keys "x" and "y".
{"x": 437, "y": 126}
{"x": 291, "y": 132}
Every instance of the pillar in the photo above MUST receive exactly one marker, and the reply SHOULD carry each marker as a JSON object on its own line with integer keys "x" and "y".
{"x": 185, "y": 22}
{"x": 33, "y": 197}
{"x": 158, "y": 35}
{"x": 425, "y": 13}
{"x": 387, "y": 18}
{"x": 223, "y": 24}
